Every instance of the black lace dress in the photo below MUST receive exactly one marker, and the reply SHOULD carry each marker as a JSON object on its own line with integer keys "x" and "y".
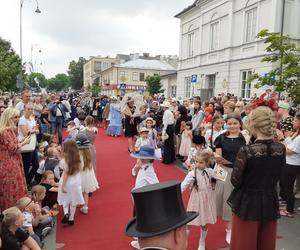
{"x": 256, "y": 172}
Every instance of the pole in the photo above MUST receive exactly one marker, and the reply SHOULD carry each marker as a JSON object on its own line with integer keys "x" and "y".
{"x": 281, "y": 35}
{"x": 21, "y": 8}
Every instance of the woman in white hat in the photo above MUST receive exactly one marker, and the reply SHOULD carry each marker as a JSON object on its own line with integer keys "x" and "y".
{"x": 168, "y": 128}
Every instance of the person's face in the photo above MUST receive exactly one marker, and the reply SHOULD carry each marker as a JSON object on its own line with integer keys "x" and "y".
{"x": 41, "y": 149}
{"x": 227, "y": 109}
{"x": 19, "y": 222}
{"x": 27, "y": 97}
{"x": 218, "y": 124}
{"x": 50, "y": 179}
{"x": 196, "y": 105}
{"x": 233, "y": 125}
{"x": 16, "y": 119}
{"x": 28, "y": 110}
{"x": 296, "y": 124}
{"x": 41, "y": 196}
{"x": 149, "y": 124}
{"x": 211, "y": 106}
{"x": 200, "y": 163}
{"x": 144, "y": 135}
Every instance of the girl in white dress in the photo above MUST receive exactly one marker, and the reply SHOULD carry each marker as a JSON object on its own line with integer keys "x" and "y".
{"x": 69, "y": 189}
{"x": 89, "y": 182}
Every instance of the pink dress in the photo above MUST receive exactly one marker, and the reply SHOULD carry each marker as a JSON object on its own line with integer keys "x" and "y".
{"x": 202, "y": 200}
{"x": 186, "y": 142}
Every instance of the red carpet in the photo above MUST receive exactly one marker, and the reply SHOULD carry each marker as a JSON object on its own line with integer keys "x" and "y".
{"x": 111, "y": 207}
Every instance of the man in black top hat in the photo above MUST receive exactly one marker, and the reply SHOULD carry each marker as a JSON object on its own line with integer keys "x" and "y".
{"x": 161, "y": 218}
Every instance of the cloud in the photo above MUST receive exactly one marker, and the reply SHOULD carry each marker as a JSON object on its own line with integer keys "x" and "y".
{"x": 68, "y": 29}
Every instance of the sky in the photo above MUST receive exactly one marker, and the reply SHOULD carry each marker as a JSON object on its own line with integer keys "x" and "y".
{"x": 68, "y": 29}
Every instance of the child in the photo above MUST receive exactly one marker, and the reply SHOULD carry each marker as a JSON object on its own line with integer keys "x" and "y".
{"x": 51, "y": 186}
{"x": 12, "y": 236}
{"x": 198, "y": 143}
{"x": 202, "y": 198}
{"x": 27, "y": 207}
{"x": 141, "y": 141}
{"x": 152, "y": 135}
{"x": 41, "y": 158}
{"x": 89, "y": 182}
{"x": 72, "y": 130}
{"x": 69, "y": 190}
{"x": 45, "y": 125}
{"x": 215, "y": 130}
{"x": 146, "y": 174}
{"x": 52, "y": 161}
{"x": 186, "y": 140}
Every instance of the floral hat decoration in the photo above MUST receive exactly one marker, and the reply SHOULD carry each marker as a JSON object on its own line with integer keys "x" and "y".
{"x": 268, "y": 99}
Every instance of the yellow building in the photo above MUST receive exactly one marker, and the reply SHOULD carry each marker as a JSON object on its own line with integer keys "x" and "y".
{"x": 94, "y": 66}
{"x": 130, "y": 76}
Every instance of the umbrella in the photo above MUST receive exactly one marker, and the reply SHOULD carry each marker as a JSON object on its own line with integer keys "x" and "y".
{"x": 138, "y": 101}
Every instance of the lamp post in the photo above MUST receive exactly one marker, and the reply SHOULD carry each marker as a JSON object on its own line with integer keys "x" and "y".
{"x": 21, "y": 10}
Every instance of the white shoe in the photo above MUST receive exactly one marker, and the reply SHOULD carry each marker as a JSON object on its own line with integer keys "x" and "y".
{"x": 202, "y": 240}
{"x": 133, "y": 172}
{"x": 84, "y": 210}
{"x": 202, "y": 246}
{"x": 228, "y": 236}
{"x": 135, "y": 244}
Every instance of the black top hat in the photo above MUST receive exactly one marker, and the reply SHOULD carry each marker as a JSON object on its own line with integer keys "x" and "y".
{"x": 159, "y": 209}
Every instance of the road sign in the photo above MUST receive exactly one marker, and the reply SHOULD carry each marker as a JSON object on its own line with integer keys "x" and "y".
{"x": 194, "y": 79}
{"x": 123, "y": 86}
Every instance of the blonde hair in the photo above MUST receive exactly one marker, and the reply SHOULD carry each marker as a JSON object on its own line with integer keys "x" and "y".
{"x": 204, "y": 155}
{"x": 46, "y": 174}
{"x": 262, "y": 119}
{"x": 37, "y": 190}
{"x": 23, "y": 203}
{"x": 230, "y": 105}
{"x": 6, "y": 119}
{"x": 10, "y": 216}
{"x": 89, "y": 120}
{"x": 87, "y": 158}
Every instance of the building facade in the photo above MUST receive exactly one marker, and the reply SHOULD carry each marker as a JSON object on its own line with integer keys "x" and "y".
{"x": 169, "y": 83}
{"x": 130, "y": 76}
{"x": 219, "y": 48}
{"x": 94, "y": 66}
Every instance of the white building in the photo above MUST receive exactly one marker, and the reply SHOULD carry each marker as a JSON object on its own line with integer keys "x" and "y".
{"x": 218, "y": 43}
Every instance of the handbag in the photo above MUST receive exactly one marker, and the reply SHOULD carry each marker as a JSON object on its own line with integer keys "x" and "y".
{"x": 31, "y": 146}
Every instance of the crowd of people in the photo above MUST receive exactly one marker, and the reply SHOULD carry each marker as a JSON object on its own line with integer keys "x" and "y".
{"x": 242, "y": 159}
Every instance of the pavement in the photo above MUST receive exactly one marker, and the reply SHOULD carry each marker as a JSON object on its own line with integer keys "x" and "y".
{"x": 288, "y": 230}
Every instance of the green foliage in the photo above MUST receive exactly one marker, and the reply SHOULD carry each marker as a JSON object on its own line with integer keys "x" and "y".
{"x": 94, "y": 90}
{"x": 285, "y": 55}
{"x": 154, "y": 85}
{"x": 75, "y": 73}
{"x": 59, "y": 82}
{"x": 10, "y": 66}
{"x": 39, "y": 77}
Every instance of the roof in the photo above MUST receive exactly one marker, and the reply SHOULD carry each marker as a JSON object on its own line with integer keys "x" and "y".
{"x": 168, "y": 74}
{"x": 186, "y": 9}
{"x": 146, "y": 64}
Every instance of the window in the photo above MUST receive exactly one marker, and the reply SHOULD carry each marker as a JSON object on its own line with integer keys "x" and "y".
{"x": 97, "y": 66}
{"x": 214, "y": 27}
{"x": 173, "y": 90}
{"x": 122, "y": 73}
{"x": 135, "y": 76}
{"x": 250, "y": 25}
{"x": 142, "y": 77}
{"x": 246, "y": 86}
{"x": 191, "y": 44}
{"x": 187, "y": 86}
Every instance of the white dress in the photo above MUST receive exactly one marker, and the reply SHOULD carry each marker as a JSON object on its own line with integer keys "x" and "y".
{"x": 89, "y": 182}
{"x": 73, "y": 196}
{"x": 146, "y": 176}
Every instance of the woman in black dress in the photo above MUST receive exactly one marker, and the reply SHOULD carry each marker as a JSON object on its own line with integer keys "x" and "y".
{"x": 130, "y": 123}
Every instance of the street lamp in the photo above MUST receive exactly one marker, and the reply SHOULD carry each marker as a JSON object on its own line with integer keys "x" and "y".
{"x": 21, "y": 10}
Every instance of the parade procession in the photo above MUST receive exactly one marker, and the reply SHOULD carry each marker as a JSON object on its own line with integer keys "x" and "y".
{"x": 192, "y": 145}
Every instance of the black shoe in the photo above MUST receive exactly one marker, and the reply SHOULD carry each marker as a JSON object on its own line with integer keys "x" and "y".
{"x": 65, "y": 219}
{"x": 71, "y": 222}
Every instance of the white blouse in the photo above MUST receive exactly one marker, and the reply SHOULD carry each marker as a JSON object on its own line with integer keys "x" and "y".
{"x": 168, "y": 118}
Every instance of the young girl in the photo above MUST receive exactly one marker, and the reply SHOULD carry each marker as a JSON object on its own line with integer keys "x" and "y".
{"x": 141, "y": 141}
{"x": 198, "y": 144}
{"x": 69, "y": 190}
{"x": 152, "y": 135}
{"x": 215, "y": 131}
{"x": 12, "y": 236}
{"x": 202, "y": 198}
{"x": 89, "y": 182}
{"x": 51, "y": 186}
{"x": 186, "y": 140}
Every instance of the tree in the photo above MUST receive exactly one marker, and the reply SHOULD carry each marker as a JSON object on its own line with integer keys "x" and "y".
{"x": 59, "y": 82}
{"x": 94, "y": 89}
{"x": 285, "y": 55}
{"x": 154, "y": 85}
{"x": 75, "y": 73}
{"x": 33, "y": 78}
{"x": 10, "y": 66}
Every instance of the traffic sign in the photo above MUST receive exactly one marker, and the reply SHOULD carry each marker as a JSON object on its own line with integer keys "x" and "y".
{"x": 194, "y": 79}
{"x": 123, "y": 86}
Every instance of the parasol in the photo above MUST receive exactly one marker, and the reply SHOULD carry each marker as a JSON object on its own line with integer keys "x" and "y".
{"x": 138, "y": 101}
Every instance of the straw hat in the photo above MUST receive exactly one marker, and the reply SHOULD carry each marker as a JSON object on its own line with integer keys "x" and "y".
{"x": 149, "y": 119}
{"x": 165, "y": 104}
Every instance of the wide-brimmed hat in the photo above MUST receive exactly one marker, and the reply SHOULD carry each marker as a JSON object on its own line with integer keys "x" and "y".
{"x": 143, "y": 129}
{"x": 82, "y": 141}
{"x": 146, "y": 152}
{"x": 165, "y": 104}
{"x": 149, "y": 119}
{"x": 159, "y": 209}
